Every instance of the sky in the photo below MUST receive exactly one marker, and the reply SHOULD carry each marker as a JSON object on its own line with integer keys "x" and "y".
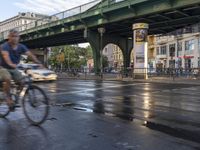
{"x": 10, "y": 8}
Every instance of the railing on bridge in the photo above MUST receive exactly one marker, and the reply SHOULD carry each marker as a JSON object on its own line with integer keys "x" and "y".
{"x": 59, "y": 16}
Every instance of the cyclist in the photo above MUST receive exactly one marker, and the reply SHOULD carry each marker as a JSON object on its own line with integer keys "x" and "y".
{"x": 11, "y": 52}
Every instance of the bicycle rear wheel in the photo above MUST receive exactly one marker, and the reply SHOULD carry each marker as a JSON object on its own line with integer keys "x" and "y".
{"x": 35, "y": 105}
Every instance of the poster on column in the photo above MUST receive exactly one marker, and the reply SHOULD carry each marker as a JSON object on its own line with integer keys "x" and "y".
{"x": 140, "y": 44}
{"x": 141, "y": 36}
{"x": 139, "y": 56}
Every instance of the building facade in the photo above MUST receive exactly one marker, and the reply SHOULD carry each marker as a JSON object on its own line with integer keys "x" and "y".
{"x": 114, "y": 54}
{"x": 21, "y": 22}
{"x": 151, "y": 52}
{"x": 108, "y": 52}
{"x": 118, "y": 59}
{"x": 180, "y": 49}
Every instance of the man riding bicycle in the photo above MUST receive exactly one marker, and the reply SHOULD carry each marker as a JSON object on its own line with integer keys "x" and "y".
{"x": 11, "y": 52}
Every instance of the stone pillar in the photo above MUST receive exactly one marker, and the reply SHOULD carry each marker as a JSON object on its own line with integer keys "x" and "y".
{"x": 140, "y": 50}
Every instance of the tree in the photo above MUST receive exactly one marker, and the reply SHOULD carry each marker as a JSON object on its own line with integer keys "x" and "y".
{"x": 89, "y": 52}
{"x": 74, "y": 56}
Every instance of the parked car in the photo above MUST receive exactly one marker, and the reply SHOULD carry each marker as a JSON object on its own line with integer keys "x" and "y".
{"x": 114, "y": 71}
{"x": 36, "y": 73}
{"x": 151, "y": 71}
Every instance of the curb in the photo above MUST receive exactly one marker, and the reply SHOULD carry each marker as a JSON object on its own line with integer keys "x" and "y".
{"x": 193, "y": 82}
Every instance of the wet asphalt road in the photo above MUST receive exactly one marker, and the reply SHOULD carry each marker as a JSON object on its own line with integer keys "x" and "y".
{"x": 170, "y": 108}
{"x": 168, "y": 113}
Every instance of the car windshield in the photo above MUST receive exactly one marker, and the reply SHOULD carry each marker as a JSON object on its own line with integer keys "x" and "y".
{"x": 33, "y": 67}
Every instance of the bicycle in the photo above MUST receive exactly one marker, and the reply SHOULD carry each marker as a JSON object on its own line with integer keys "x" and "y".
{"x": 28, "y": 99}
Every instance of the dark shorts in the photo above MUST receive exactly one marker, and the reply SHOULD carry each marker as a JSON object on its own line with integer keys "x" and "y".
{"x": 9, "y": 74}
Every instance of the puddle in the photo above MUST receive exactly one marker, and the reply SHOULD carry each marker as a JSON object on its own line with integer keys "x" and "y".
{"x": 83, "y": 109}
{"x": 68, "y": 104}
{"x": 175, "y": 132}
{"x": 129, "y": 115}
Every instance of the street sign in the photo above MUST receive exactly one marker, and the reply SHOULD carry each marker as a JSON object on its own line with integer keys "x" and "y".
{"x": 61, "y": 57}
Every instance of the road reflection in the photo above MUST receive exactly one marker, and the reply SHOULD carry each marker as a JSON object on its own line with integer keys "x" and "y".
{"x": 98, "y": 104}
{"x": 127, "y": 111}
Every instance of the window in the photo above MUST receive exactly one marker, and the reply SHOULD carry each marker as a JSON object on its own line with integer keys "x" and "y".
{"x": 179, "y": 46}
{"x": 172, "y": 50}
{"x": 118, "y": 1}
{"x": 179, "y": 32}
{"x": 188, "y": 29}
{"x": 198, "y": 61}
{"x": 198, "y": 27}
{"x": 163, "y": 50}
{"x": 189, "y": 45}
{"x": 194, "y": 27}
{"x": 106, "y": 50}
{"x": 157, "y": 50}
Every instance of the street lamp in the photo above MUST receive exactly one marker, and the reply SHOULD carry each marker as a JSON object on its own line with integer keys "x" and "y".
{"x": 101, "y": 31}
{"x": 68, "y": 61}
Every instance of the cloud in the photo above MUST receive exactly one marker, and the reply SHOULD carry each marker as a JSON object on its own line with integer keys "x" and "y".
{"x": 48, "y": 6}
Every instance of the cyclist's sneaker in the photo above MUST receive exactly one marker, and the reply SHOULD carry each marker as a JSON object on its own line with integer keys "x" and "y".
{"x": 12, "y": 108}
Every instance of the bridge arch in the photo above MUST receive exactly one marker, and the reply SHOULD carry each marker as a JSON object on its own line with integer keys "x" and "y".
{"x": 114, "y": 55}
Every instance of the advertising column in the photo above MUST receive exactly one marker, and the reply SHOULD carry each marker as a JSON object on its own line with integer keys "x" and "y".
{"x": 140, "y": 50}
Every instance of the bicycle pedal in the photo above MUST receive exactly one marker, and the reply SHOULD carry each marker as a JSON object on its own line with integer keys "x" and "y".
{"x": 12, "y": 108}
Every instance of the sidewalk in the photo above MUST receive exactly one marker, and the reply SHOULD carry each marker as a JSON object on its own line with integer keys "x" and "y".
{"x": 115, "y": 77}
{"x": 69, "y": 129}
{"x": 171, "y": 80}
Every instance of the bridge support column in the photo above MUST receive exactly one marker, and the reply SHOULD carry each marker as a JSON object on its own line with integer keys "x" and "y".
{"x": 45, "y": 57}
{"x": 127, "y": 46}
{"x": 140, "y": 50}
{"x": 124, "y": 44}
{"x": 94, "y": 39}
{"x": 127, "y": 61}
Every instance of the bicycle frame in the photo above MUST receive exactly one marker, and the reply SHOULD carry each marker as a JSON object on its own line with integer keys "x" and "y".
{"x": 26, "y": 84}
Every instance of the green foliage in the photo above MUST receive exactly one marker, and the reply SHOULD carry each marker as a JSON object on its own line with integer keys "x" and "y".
{"x": 73, "y": 55}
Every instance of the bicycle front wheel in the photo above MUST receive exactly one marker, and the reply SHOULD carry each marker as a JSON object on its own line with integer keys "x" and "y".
{"x": 35, "y": 105}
